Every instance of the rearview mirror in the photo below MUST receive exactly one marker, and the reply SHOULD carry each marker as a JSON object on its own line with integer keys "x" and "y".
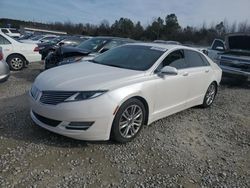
{"x": 168, "y": 70}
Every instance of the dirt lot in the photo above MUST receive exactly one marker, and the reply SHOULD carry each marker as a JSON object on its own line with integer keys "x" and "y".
{"x": 194, "y": 148}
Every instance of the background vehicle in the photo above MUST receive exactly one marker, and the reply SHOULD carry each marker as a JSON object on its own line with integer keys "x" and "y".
{"x": 233, "y": 56}
{"x": 26, "y": 36}
{"x": 12, "y": 32}
{"x": 87, "y": 49}
{"x": 119, "y": 91}
{"x": 47, "y": 47}
{"x": 18, "y": 54}
{"x": 167, "y": 42}
{"x": 217, "y": 47}
{"x": 4, "y": 68}
{"x": 39, "y": 39}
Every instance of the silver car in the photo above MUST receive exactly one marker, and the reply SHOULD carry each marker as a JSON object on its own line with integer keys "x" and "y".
{"x": 4, "y": 68}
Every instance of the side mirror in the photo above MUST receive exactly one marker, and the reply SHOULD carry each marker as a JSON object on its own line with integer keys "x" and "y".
{"x": 168, "y": 70}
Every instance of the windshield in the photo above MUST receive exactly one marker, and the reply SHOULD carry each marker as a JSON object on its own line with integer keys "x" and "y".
{"x": 135, "y": 57}
{"x": 37, "y": 37}
{"x": 94, "y": 44}
{"x": 57, "y": 39}
{"x": 14, "y": 31}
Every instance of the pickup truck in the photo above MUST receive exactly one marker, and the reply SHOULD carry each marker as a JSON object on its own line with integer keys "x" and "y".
{"x": 233, "y": 55}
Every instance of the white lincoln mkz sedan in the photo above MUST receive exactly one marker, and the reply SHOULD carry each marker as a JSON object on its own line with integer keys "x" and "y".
{"x": 115, "y": 94}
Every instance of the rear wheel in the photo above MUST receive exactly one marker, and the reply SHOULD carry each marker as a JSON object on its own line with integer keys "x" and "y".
{"x": 16, "y": 62}
{"x": 128, "y": 121}
{"x": 210, "y": 95}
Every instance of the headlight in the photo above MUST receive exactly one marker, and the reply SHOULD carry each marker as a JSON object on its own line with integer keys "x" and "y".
{"x": 84, "y": 95}
{"x": 34, "y": 91}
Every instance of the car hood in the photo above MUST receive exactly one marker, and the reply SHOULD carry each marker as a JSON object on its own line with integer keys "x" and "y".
{"x": 238, "y": 42}
{"x": 84, "y": 76}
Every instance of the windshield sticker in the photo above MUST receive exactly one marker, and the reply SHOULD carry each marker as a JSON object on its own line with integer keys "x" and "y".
{"x": 159, "y": 49}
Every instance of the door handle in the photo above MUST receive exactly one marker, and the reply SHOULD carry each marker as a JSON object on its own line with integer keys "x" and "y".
{"x": 185, "y": 74}
{"x": 206, "y": 71}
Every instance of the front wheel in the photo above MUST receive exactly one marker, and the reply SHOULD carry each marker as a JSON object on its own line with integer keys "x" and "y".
{"x": 210, "y": 95}
{"x": 128, "y": 121}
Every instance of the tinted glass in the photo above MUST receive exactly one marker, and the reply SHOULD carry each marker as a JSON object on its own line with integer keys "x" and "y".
{"x": 93, "y": 44}
{"x": 4, "y": 30}
{"x": 205, "y": 61}
{"x": 112, "y": 44}
{"x": 175, "y": 59}
{"x": 37, "y": 37}
{"x": 14, "y": 31}
{"x": 133, "y": 57}
{"x": 48, "y": 38}
{"x": 193, "y": 59}
{"x": 3, "y": 40}
{"x": 217, "y": 43}
{"x": 57, "y": 39}
{"x": 75, "y": 40}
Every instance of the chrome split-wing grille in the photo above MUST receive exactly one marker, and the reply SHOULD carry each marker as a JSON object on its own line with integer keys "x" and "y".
{"x": 55, "y": 97}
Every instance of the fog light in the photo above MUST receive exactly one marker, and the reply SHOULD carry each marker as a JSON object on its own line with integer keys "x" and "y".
{"x": 80, "y": 125}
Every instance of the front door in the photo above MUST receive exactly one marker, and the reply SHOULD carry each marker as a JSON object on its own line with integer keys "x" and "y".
{"x": 171, "y": 90}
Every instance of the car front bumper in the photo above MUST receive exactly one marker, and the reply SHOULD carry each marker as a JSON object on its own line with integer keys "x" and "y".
{"x": 99, "y": 111}
{"x": 233, "y": 72}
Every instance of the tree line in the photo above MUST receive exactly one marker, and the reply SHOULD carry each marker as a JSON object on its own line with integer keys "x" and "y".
{"x": 167, "y": 28}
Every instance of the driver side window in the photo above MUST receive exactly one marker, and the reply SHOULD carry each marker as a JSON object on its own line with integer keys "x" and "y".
{"x": 175, "y": 59}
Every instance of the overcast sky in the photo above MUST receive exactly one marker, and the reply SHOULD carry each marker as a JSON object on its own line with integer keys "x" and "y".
{"x": 189, "y": 12}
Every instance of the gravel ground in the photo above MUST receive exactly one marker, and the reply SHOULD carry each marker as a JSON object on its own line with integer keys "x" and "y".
{"x": 194, "y": 148}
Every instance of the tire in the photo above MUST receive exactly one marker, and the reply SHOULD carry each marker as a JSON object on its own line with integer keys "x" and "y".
{"x": 16, "y": 62}
{"x": 128, "y": 121}
{"x": 210, "y": 95}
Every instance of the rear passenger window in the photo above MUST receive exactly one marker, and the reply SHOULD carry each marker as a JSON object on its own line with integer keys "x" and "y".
{"x": 205, "y": 61}
{"x": 175, "y": 59}
{"x": 3, "y": 40}
{"x": 194, "y": 59}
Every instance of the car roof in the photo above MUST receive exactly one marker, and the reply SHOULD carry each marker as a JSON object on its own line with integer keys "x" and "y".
{"x": 112, "y": 38}
{"x": 160, "y": 45}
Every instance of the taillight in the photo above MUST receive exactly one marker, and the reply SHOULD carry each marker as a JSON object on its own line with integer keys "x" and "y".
{"x": 1, "y": 55}
{"x": 36, "y": 49}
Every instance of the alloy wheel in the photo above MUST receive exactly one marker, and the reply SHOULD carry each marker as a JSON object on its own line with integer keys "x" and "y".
{"x": 210, "y": 94}
{"x": 131, "y": 121}
{"x": 16, "y": 63}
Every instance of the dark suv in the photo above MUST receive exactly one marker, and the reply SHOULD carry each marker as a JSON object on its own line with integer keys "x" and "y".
{"x": 47, "y": 47}
{"x": 91, "y": 48}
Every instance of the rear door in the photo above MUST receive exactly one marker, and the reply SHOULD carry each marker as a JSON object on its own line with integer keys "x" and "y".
{"x": 198, "y": 73}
